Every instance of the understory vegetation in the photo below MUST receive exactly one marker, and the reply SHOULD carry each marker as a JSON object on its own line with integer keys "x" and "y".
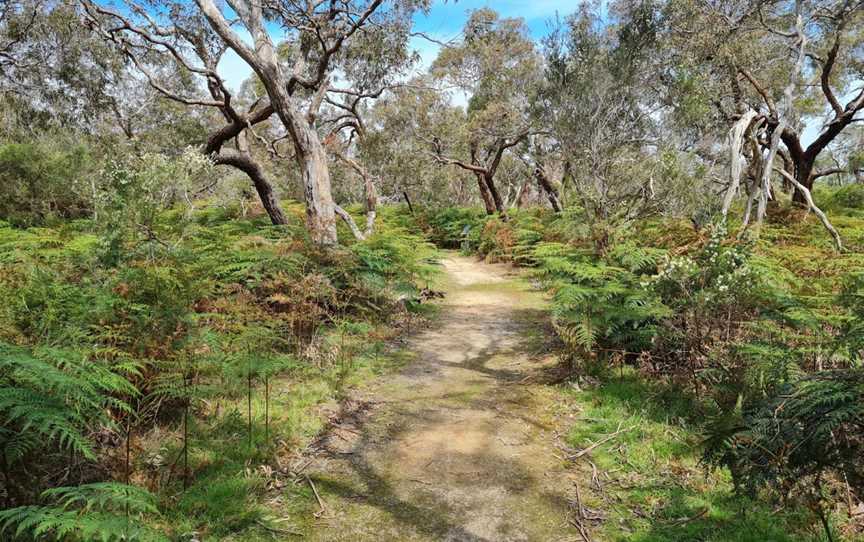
{"x": 157, "y": 376}
{"x": 719, "y": 355}
{"x": 218, "y": 219}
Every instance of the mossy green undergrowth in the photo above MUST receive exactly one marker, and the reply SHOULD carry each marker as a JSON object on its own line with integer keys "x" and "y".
{"x": 649, "y": 484}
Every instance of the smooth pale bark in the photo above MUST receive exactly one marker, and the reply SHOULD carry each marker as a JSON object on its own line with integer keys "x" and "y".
{"x": 371, "y": 206}
{"x": 320, "y": 207}
{"x": 523, "y": 196}
{"x": 311, "y": 156}
{"x": 349, "y": 221}
{"x": 808, "y": 197}
{"x": 312, "y": 161}
{"x": 788, "y": 96}
{"x": 371, "y": 200}
{"x": 803, "y": 159}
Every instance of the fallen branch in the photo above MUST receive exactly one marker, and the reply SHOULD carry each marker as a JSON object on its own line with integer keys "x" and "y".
{"x": 600, "y": 442}
{"x": 278, "y": 530}
{"x": 296, "y": 472}
{"x": 349, "y": 221}
{"x": 323, "y": 510}
{"x": 582, "y": 532}
{"x": 816, "y": 210}
{"x": 696, "y": 516}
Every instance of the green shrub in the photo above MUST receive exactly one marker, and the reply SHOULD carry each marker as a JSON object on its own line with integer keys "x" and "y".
{"x": 851, "y": 298}
{"x": 112, "y": 327}
{"x": 391, "y": 265}
{"x": 44, "y": 182}
{"x": 807, "y": 427}
{"x": 100, "y": 511}
{"x": 713, "y": 293}
{"x": 51, "y": 400}
{"x": 850, "y": 196}
{"x": 451, "y": 227}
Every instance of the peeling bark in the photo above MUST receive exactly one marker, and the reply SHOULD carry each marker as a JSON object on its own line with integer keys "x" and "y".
{"x": 735, "y": 140}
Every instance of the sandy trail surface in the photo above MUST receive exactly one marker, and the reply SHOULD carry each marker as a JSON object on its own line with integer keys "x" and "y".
{"x": 460, "y": 445}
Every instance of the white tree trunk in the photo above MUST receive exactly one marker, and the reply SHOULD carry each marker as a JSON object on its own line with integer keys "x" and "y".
{"x": 736, "y": 144}
{"x": 311, "y": 157}
{"x": 320, "y": 207}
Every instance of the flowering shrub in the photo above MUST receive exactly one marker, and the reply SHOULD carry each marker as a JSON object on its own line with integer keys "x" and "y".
{"x": 717, "y": 276}
{"x": 713, "y": 294}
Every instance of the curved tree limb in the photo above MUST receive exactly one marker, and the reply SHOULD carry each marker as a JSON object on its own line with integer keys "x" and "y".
{"x": 245, "y": 163}
{"x": 349, "y": 220}
{"x": 816, "y": 210}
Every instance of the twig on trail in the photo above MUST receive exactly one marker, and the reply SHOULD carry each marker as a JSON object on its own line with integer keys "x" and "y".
{"x": 298, "y": 471}
{"x": 603, "y": 440}
{"x": 323, "y": 510}
{"x": 278, "y": 530}
{"x": 579, "y": 527}
{"x": 579, "y": 500}
{"x": 594, "y": 477}
{"x": 577, "y": 522}
{"x": 345, "y": 428}
{"x": 848, "y": 494}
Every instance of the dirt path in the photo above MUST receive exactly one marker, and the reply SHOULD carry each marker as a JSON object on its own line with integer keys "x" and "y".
{"x": 460, "y": 445}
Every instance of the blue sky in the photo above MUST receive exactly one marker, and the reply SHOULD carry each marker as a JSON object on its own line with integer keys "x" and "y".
{"x": 443, "y": 22}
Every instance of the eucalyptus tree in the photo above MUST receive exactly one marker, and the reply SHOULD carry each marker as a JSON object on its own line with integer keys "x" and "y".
{"x": 601, "y": 107}
{"x": 497, "y": 67}
{"x": 66, "y": 97}
{"x": 400, "y": 128}
{"x": 60, "y": 75}
{"x": 17, "y": 19}
{"x": 543, "y": 156}
{"x": 733, "y": 58}
{"x": 295, "y": 51}
{"x": 376, "y": 65}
